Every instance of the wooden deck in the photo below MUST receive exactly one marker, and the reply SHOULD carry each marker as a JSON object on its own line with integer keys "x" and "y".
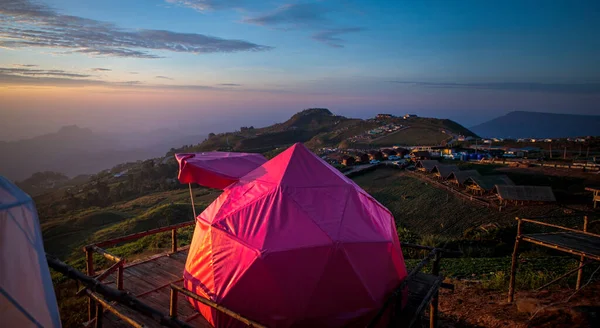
{"x": 149, "y": 281}
{"x": 572, "y": 242}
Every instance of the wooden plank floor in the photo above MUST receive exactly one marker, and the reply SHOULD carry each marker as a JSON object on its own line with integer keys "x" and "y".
{"x": 578, "y": 242}
{"x": 149, "y": 281}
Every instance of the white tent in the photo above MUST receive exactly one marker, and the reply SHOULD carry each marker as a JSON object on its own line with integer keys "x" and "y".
{"x": 27, "y": 297}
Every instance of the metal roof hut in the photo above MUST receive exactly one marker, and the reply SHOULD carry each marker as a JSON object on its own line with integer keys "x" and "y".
{"x": 459, "y": 177}
{"x": 442, "y": 171}
{"x": 294, "y": 243}
{"x": 426, "y": 165}
{"x": 27, "y": 296}
{"x": 485, "y": 184}
{"x": 522, "y": 194}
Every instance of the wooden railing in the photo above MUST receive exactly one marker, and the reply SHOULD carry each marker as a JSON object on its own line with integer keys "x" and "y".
{"x": 119, "y": 264}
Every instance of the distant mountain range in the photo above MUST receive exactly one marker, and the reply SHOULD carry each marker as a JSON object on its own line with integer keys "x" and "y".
{"x": 522, "y": 124}
{"x": 73, "y": 150}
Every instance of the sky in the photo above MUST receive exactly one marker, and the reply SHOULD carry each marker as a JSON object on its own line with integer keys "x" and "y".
{"x": 204, "y": 66}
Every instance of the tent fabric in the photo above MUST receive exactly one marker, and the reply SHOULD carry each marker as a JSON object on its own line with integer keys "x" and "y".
{"x": 216, "y": 169}
{"x": 27, "y": 296}
{"x": 295, "y": 243}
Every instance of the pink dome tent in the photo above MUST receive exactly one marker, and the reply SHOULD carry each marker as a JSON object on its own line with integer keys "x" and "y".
{"x": 295, "y": 243}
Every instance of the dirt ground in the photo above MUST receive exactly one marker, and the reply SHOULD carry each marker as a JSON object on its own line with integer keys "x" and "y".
{"x": 470, "y": 305}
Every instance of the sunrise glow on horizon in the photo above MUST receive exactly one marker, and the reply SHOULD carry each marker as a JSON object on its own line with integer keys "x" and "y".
{"x": 100, "y": 63}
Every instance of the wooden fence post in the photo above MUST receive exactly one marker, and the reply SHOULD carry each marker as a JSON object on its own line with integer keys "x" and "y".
{"x": 513, "y": 266}
{"x": 99, "y": 316}
{"x": 120, "y": 275}
{"x": 174, "y": 241}
{"x": 582, "y": 259}
{"x": 433, "y": 308}
{"x": 173, "y": 304}
{"x": 89, "y": 266}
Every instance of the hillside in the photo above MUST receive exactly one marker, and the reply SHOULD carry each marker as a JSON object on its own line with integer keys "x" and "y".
{"x": 539, "y": 125}
{"x": 318, "y": 127}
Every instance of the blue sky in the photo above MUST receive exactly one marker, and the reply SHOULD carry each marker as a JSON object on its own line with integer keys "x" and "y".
{"x": 465, "y": 60}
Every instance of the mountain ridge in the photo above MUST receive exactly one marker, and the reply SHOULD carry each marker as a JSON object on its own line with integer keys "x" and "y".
{"x": 524, "y": 124}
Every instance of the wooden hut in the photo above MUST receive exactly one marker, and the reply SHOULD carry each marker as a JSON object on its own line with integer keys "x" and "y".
{"x": 459, "y": 177}
{"x": 484, "y": 184}
{"x": 442, "y": 171}
{"x": 426, "y": 165}
{"x": 522, "y": 194}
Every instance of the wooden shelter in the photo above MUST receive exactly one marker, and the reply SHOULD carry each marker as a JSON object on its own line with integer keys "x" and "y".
{"x": 581, "y": 243}
{"x": 596, "y": 191}
{"x": 484, "y": 184}
{"x": 426, "y": 165}
{"x": 442, "y": 171}
{"x": 459, "y": 177}
{"x": 521, "y": 194}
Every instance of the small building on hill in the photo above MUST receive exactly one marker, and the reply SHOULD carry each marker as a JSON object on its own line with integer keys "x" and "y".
{"x": 401, "y": 151}
{"x": 480, "y": 185}
{"x": 426, "y": 165}
{"x": 348, "y": 160}
{"x": 375, "y": 155}
{"x": 384, "y": 116}
{"x": 420, "y": 155}
{"x": 389, "y": 152}
{"x": 362, "y": 158}
{"x": 523, "y": 194}
{"x": 459, "y": 177}
{"x": 442, "y": 171}
{"x": 407, "y": 116}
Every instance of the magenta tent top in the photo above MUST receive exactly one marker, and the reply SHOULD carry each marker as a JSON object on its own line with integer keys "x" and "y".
{"x": 216, "y": 169}
{"x": 295, "y": 243}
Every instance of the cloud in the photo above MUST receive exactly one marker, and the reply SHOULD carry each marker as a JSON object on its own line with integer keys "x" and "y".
{"x": 100, "y": 69}
{"x": 134, "y": 73}
{"x": 330, "y": 36}
{"x": 163, "y": 77}
{"x": 40, "y": 72}
{"x": 311, "y": 16}
{"x": 24, "y": 65}
{"x": 230, "y": 84}
{"x": 294, "y": 15}
{"x": 570, "y": 88}
{"x": 24, "y": 24}
{"x": 205, "y": 5}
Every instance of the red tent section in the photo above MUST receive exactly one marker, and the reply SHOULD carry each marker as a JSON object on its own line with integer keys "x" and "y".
{"x": 295, "y": 243}
{"x": 216, "y": 169}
